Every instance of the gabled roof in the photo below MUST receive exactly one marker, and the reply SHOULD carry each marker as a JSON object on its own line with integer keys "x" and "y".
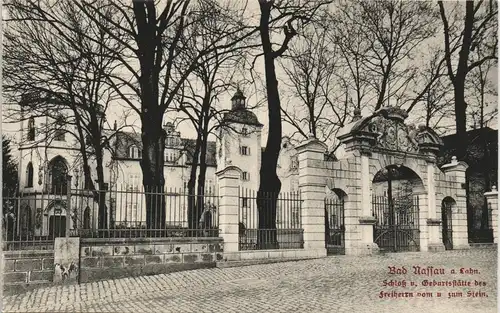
{"x": 125, "y": 139}
{"x": 241, "y": 116}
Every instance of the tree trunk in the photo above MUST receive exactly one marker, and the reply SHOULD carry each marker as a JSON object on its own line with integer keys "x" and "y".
{"x": 459, "y": 81}
{"x": 103, "y": 214}
{"x": 461, "y": 120}
{"x": 150, "y": 50}
{"x": 193, "y": 217}
{"x": 200, "y": 206}
{"x": 152, "y": 164}
{"x": 270, "y": 185}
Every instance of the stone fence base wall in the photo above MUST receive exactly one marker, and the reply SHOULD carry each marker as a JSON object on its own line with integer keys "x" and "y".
{"x": 285, "y": 254}
{"x": 27, "y": 269}
{"x": 102, "y": 259}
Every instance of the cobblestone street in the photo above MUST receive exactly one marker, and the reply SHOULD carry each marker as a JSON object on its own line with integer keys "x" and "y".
{"x": 333, "y": 284}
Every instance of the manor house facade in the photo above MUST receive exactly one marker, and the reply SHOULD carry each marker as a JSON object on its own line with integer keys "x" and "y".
{"x": 44, "y": 165}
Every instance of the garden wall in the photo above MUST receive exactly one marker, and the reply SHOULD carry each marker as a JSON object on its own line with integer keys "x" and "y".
{"x": 102, "y": 259}
{"x": 26, "y": 269}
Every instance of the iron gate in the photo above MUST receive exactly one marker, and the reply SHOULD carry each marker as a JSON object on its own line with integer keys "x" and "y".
{"x": 397, "y": 223}
{"x": 334, "y": 226}
{"x": 447, "y": 228}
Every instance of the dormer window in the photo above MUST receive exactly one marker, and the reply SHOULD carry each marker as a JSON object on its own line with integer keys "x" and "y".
{"x": 31, "y": 129}
{"x": 134, "y": 152}
{"x": 244, "y": 150}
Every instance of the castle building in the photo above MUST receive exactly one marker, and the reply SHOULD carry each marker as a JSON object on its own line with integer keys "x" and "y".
{"x": 44, "y": 165}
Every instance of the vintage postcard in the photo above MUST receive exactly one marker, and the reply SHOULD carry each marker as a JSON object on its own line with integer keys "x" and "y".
{"x": 249, "y": 156}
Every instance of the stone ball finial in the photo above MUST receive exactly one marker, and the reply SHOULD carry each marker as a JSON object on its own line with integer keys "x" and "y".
{"x": 454, "y": 160}
{"x": 493, "y": 188}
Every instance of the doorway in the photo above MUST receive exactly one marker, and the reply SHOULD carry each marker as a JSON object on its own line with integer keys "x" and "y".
{"x": 57, "y": 226}
{"x": 446, "y": 219}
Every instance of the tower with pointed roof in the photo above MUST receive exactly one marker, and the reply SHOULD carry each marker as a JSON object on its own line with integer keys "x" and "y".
{"x": 239, "y": 141}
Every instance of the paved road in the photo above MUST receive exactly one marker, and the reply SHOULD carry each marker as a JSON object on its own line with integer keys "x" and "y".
{"x": 333, "y": 284}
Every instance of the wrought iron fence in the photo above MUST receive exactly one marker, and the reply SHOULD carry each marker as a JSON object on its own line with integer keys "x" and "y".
{"x": 397, "y": 223}
{"x": 135, "y": 211}
{"x": 31, "y": 220}
{"x": 271, "y": 221}
{"x": 334, "y": 226}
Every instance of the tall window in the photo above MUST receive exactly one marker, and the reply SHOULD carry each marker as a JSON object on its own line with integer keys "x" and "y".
{"x": 29, "y": 175}
{"x": 58, "y": 172}
{"x": 59, "y": 131}
{"x": 209, "y": 187}
{"x": 134, "y": 152}
{"x": 246, "y": 176}
{"x": 244, "y": 150}
{"x": 31, "y": 129}
{"x": 134, "y": 181}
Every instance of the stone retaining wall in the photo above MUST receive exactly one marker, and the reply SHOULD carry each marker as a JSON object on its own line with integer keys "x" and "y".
{"x": 25, "y": 269}
{"x": 102, "y": 259}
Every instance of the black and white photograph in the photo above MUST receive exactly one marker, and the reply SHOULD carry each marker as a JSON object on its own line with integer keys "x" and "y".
{"x": 249, "y": 156}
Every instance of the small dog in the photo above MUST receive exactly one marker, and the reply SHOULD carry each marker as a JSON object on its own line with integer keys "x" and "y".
{"x": 66, "y": 271}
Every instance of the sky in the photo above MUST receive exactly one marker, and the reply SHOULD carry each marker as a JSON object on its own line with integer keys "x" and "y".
{"x": 252, "y": 98}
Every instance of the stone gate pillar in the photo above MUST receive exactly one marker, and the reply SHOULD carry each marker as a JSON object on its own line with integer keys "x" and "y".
{"x": 492, "y": 201}
{"x": 433, "y": 223}
{"x": 366, "y": 219}
{"x": 312, "y": 185}
{"x": 456, "y": 169}
{"x": 229, "y": 182}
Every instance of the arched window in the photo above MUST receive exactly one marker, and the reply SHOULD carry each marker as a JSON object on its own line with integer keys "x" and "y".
{"x": 59, "y": 131}
{"x": 31, "y": 129}
{"x": 86, "y": 218}
{"x": 58, "y": 172}
{"x": 134, "y": 152}
{"x": 29, "y": 175}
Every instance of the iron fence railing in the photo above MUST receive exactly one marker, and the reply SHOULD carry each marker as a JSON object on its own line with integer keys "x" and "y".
{"x": 135, "y": 211}
{"x": 334, "y": 225}
{"x": 270, "y": 221}
{"x": 31, "y": 220}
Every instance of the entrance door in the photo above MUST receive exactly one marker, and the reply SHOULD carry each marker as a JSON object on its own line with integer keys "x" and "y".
{"x": 447, "y": 228}
{"x": 334, "y": 226}
{"x": 397, "y": 223}
{"x": 57, "y": 226}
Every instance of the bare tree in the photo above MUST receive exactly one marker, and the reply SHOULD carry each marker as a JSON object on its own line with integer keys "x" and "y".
{"x": 379, "y": 41}
{"x": 482, "y": 96}
{"x": 315, "y": 88}
{"x": 150, "y": 34}
{"x": 290, "y": 12}
{"x": 473, "y": 29}
{"x": 61, "y": 75}
{"x": 200, "y": 94}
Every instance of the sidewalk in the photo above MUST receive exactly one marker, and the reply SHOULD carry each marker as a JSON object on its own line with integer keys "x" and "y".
{"x": 334, "y": 284}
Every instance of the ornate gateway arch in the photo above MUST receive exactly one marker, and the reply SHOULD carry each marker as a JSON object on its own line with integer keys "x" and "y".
{"x": 393, "y": 186}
